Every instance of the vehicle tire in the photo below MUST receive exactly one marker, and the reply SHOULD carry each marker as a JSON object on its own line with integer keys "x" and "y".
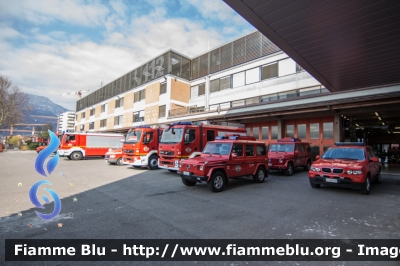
{"x": 188, "y": 183}
{"x": 172, "y": 171}
{"x": 259, "y": 177}
{"x": 217, "y": 182}
{"x": 119, "y": 161}
{"x": 153, "y": 162}
{"x": 69, "y": 157}
{"x": 289, "y": 169}
{"x": 76, "y": 155}
{"x": 307, "y": 166}
{"x": 315, "y": 185}
{"x": 136, "y": 166}
{"x": 378, "y": 177}
{"x": 367, "y": 186}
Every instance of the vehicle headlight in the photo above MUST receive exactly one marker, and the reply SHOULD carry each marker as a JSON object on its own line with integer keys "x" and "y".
{"x": 179, "y": 164}
{"x": 201, "y": 168}
{"x": 269, "y": 160}
{"x": 176, "y": 163}
{"x": 354, "y": 172}
{"x": 315, "y": 169}
{"x": 112, "y": 156}
{"x": 280, "y": 160}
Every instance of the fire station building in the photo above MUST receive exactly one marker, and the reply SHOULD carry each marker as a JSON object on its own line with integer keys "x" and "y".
{"x": 248, "y": 82}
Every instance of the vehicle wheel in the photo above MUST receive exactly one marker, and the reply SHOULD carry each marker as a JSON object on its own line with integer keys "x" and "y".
{"x": 172, "y": 171}
{"x": 315, "y": 185}
{"x": 188, "y": 183}
{"x": 153, "y": 162}
{"x": 378, "y": 178}
{"x": 307, "y": 166}
{"x": 119, "y": 161}
{"x": 259, "y": 177}
{"x": 367, "y": 186}
{"x": 289, "y": 169}
{"x": 136, "y": 166}
{"x": 217, "y": 182}
{"x": 76, "y": 155}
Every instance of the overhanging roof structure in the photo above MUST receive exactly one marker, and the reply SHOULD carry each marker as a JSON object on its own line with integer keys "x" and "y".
{"x": 344, "y": 44}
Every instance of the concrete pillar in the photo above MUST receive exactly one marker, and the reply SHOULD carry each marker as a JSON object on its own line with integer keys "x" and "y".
{"x": 207, "y": 93}
{"x": 281, "y": 130}
{"x": 337, "y": 128}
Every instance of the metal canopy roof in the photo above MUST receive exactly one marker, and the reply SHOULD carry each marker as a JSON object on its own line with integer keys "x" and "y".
{"x": 344, "y": 44}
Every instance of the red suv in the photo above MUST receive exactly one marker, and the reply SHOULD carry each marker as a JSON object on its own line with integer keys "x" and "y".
{"x": 347, "y": 164}
{"x": 288, "y": 154}
{"x": 225, "y": 158}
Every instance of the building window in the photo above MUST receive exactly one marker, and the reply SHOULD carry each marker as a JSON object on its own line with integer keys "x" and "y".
{"x": 194, "y": 91}
{"x": 328, "y": 130}
{"x": 119, "y": 103}
{"x": 314, "y": 131}
{"x": 214, "y": 85}
{"x": 247, "y": 131}
{"x": 301, "y": 131}
{"x": 103, "y": 123}
{"x": 83, "y": 115}
{"x": 238, "y": 103}
{"x": 256, "y": 132}
{"x": 252, "y": 100}
{"x": 225, "y": 83}
{"x": 289, "y": 130}
{"x": 91, "y": 126}
{"x": 91, "y": 112}
{"x": 161, "y": 111}
{"x": 138, "y": 116}
{"x": 264, "y": 132}
{"x": 269, "y": 71}
{"x": 287, "y": 67}
{"x": 238, "y": 80}
{"x": 118, "y": 120}
{"x": 202, "y": 89}
{"x": 274, "y": 132}
{"x": 103, "y": 108}
{"x": 163, "y": 88}
{"x": 140, "y": 95}
{"x": 253, "y": 75}
{"x": 82, "y": 128}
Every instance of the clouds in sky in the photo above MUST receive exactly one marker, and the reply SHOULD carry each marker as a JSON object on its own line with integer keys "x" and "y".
{"x": 49, "y": 47}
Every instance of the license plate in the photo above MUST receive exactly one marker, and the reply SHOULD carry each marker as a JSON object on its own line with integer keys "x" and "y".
{"x": 186, "y": 173}
{"x": 331, "y": 180}
{"x": 269, "y": 164}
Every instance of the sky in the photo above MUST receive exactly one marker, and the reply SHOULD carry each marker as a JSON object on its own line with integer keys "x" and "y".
{"x": 50, "y": 47}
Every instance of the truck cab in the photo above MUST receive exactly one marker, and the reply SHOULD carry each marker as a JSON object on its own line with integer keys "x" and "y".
{"x": 183, "y": 140}
{"x": 114, "y": 155}
{"x": 289, "y": 153}
{"x": 225, "y": 158}
{"x": 141, "y": 147}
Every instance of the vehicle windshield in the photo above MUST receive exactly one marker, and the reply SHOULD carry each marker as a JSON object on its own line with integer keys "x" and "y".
{"x": 218, "y": 148}
{"x": 172, "y": 136}
{"x": 119, "y": 145}
{"x": 282, "y": 147}
{"x": 133, "y": 136}
{"x": 344, "y": 153}
{"x": 66, "y": 138}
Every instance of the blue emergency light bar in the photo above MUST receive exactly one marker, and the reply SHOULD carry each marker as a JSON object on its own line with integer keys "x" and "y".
{"x": 288, "y": 139}
{"x": 181, "y": 123}
{"x": 221, "y": 137}
{"x": 234, "y": 137}
{"x": 349, "y": 143}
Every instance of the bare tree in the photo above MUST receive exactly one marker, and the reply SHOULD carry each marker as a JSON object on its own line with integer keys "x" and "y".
{"x": 13, "y": 103}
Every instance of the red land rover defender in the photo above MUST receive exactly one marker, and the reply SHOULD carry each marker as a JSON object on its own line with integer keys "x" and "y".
{"x": 350, "y": 165}
{"x": 288, "y": 154}
{"x": 225, "y": 158}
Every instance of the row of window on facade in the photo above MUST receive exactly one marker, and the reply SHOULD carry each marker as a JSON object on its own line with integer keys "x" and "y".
{"x": 257, "y": 74}
{"x": 271, "y": 132}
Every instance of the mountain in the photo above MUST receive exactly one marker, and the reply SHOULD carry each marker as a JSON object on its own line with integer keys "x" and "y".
{"x": 43, "y": 106}
{"x": 44, "y": 112}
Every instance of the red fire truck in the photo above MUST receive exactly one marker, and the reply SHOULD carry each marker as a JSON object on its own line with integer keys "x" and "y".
{"x": 182, "y": 140}
{"x": 78, "y": 145}
{"x": 141, "y": 147}
{"x": 114, "y": 155}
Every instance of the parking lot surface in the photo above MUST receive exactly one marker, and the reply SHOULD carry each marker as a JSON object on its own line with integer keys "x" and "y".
{"x": 101, "y": 201}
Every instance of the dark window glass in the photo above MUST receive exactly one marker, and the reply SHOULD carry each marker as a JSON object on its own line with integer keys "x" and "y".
{"x": 314, "y": 131}
{"x": 328, "y": 130}
{"x": 214, "y": 85}
{"x": 264, "y": 133}
{"x": 261, "y": 150}
{"x": 256, "y": 132}
{"x": 274, "y": 132}
{"x": 202, "y": 89}
{"x": 238, "y": 149}
{"x": 301, "y": 131}
{"x": 289, "y": 130}
{"x": 163, "y": 88}
{"x": 269, "y": 71}
{"x": 249, "y": 150}
{"x": 247, "y": 131}
{"x": 225, "y": 83}
{"x": 210, "y": 135}
{"x": 161, "y": 111}
{"x": 192, "y": 135}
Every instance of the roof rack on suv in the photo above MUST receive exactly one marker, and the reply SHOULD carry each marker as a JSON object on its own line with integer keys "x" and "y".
{"x": 349, "y": 143}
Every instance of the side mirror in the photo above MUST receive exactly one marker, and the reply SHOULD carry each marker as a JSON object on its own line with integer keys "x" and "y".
{"x": 317, "y": 157}
{"x": 374, "y": 159}
{"x": 186, "y": 138}
{"x": 234, "y": 155}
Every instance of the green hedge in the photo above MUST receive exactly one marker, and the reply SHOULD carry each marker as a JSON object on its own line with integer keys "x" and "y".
{"x": 33, "y": 145}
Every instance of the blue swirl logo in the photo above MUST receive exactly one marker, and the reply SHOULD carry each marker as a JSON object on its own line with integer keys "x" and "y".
{"x": 51, "y": 165}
